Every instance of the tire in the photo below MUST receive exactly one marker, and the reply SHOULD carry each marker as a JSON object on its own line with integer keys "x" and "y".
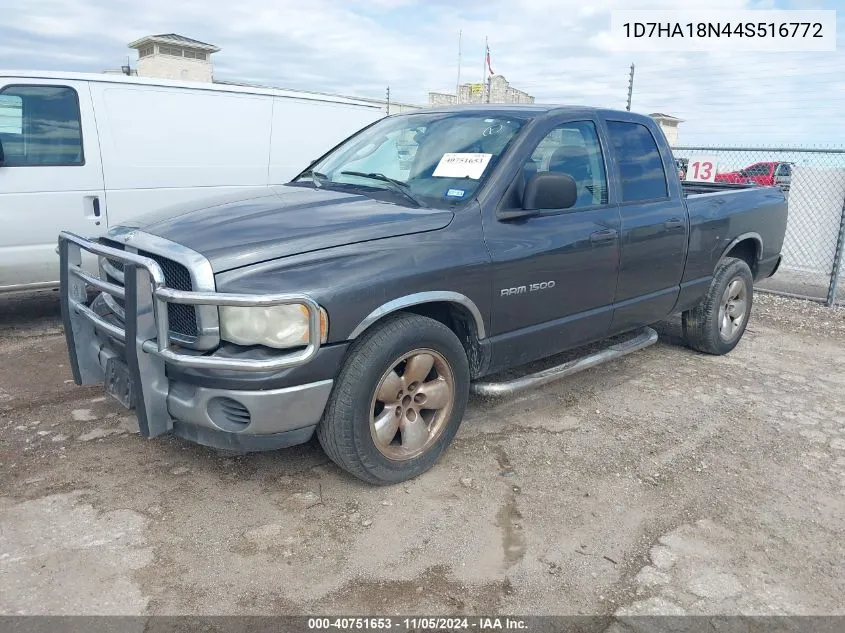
{"x": 390, "y": 358}
{"x": 704, "y": 326}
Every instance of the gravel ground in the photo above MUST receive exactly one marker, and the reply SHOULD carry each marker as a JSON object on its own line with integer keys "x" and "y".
{"x": 666, "y": 482}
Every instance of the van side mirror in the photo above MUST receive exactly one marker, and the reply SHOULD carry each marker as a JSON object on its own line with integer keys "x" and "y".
{"x": 2, "y": 156}
{"x": 549, "y": 190}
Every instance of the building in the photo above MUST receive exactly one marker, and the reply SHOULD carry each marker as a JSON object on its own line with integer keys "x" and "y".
{"x": 500, "y": 92}
{"x": 171, "y": 56}
{"x": 669, "y": 125}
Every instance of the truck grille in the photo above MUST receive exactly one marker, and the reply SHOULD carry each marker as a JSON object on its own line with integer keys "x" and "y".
{"x": 183, "y": 318}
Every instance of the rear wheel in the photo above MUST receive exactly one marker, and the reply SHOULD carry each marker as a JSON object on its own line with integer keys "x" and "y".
{"x": 398, "y": 400}
{"x": 717, "y": 324}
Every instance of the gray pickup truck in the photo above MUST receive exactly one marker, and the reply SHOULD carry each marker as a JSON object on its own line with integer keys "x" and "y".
{"x": 364, "y": 300}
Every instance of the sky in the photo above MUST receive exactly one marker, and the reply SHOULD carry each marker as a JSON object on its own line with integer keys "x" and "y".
{"x": 556, "y": 50}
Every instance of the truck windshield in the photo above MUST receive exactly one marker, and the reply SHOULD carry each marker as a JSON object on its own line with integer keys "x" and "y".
{"x": 433, "y": 159}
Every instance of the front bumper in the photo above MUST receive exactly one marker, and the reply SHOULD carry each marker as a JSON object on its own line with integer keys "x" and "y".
{"x": 251, "y": 419}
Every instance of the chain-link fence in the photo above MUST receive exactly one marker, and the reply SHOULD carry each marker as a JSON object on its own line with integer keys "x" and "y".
{"x": 814, "y": 182}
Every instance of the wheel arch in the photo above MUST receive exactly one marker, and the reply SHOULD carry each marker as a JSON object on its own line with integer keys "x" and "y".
{"x": 747, "y": 247}
{"x": 454, "y": 310}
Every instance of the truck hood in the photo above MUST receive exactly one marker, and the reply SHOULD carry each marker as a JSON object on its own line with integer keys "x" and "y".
{"x": 272, "y": 222}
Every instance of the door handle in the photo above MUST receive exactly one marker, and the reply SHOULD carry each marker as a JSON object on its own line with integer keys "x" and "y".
{"x": 92, "y": 209}
{"x": 674, "y": 223}
{"x": 603, "y": 237}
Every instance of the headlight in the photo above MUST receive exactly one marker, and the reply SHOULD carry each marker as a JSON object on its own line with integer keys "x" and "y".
{"x": 274, "y": 326}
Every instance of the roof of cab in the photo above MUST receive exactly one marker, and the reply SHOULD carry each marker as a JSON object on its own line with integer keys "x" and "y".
{"x": 530, "y": 110}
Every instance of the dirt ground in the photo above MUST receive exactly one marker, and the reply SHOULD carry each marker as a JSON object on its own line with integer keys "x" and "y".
{"x": 667, "y": 482}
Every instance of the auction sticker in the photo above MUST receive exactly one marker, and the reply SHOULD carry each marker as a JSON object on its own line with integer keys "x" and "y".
{"x": 462, "y": 166}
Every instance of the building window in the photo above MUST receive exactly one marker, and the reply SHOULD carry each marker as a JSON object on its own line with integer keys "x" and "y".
{"x": 145, "y": 51}
{"x": 40, "y": 126}
{"x": 173, "y": 51}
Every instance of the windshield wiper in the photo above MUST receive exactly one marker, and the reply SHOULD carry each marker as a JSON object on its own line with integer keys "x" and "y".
{"x": 396, "y": 185}
{"x": 316, "y": 176}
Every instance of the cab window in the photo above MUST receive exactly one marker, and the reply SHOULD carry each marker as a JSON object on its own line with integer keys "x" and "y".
{"x": 640, "y": 165}
{"x": 761, "y": 169}
{"x": 573, "y": 149}
{"x": 437, "y": 159}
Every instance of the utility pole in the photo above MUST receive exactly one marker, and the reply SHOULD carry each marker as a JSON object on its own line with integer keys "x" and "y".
{"x": 388, "y": 101}
{"x": 458, "y": 85}
{"x": 484, "y": 74}
{"x": 488, "y": 70}
{"x": 630, "y": 88}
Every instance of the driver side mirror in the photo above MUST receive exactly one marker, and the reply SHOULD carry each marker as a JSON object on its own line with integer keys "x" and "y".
{"x": 549, "y": 190}
{"x": 545, "y": 190}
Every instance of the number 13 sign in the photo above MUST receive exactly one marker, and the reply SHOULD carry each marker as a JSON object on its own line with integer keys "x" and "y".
{"x": 702, "y": 169}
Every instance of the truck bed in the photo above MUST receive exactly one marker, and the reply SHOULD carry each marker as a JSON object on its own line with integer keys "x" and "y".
{"x": 722, "y": 212}
{"x": 696, "y": 188}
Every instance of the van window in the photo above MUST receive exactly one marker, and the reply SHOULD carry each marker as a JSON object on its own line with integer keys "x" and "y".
{"x": 640, "y": 164}
{"x": 40, "y": 125}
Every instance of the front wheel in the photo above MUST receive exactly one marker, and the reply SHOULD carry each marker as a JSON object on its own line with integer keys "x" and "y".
{"x": 398, "y": 400}
{"x": 717, "y": 324}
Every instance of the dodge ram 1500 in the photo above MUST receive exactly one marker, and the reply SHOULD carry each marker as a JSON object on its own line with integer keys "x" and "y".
{"x": 363, "y": 300}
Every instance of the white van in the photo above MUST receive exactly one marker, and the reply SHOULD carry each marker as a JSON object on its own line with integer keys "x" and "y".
{"x": 82, "y": 152}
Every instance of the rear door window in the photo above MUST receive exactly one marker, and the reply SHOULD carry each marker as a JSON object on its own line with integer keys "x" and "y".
{"x": 40, "y": 126}
{"x": 640, "y": 164}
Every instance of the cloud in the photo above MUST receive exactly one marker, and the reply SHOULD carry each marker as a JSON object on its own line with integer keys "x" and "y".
{"x": 557, "y": 50}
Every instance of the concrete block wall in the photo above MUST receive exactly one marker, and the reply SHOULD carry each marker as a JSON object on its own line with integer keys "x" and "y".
{"x": 170, "y": 67}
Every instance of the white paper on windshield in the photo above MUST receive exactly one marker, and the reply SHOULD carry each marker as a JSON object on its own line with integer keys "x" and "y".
{"x": 462, "y": 166}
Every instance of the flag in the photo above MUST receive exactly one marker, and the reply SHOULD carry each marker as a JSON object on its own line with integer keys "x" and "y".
{"x": 488, "y": 61}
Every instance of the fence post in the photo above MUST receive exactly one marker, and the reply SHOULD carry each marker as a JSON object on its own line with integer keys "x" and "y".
{"x": 837, "y": 260}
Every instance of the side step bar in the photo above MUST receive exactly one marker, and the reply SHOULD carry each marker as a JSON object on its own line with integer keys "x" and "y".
{"x": 643, "y": 339}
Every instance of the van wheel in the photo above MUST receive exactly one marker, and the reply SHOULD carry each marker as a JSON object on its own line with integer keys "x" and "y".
{"x": 717, "y": 324}
{"x": 398, "y": 400}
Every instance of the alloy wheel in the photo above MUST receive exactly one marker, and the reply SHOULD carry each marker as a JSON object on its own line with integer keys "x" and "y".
{"x": 412, "y": 404}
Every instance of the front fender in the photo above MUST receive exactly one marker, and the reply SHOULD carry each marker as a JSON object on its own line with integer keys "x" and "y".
{"x": 360, "y": 283}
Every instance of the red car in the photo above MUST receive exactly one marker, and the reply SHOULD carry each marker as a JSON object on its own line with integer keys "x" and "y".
{"x": 764, "y": 174}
